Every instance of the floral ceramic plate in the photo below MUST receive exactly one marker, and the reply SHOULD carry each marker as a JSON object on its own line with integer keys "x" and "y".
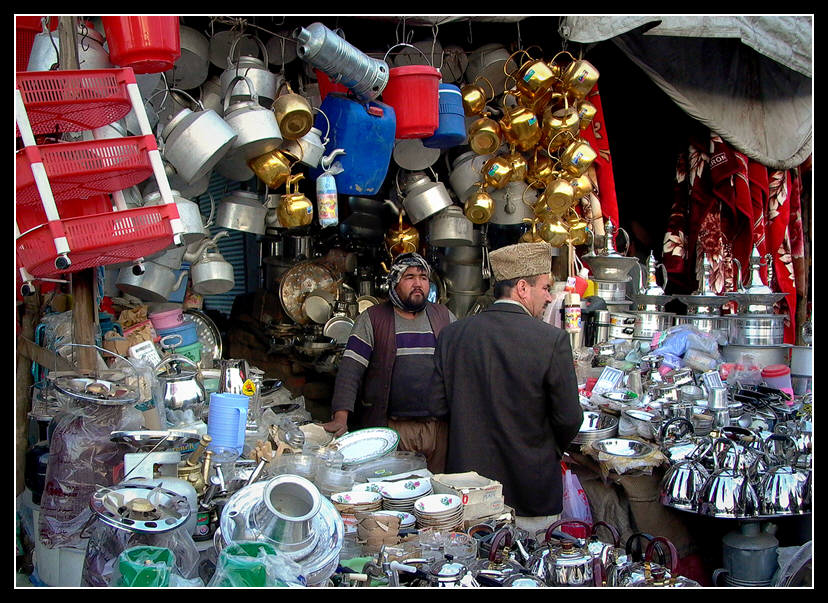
{"x": 369, "y": 487}
{"x": 438, "y": 503}
{"x": 355, "y": 497}
{"x": 409, "y": 488}
{"x": 366, "y": 444}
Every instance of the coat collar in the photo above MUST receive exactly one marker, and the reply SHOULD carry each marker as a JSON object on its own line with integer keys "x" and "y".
{"x": 513, "y": 308}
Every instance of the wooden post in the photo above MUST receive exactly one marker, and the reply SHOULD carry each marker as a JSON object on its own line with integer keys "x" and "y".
{"x": 83, "y": 306}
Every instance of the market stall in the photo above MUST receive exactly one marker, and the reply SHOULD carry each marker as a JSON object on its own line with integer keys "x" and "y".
{"x": 205, "y": 205}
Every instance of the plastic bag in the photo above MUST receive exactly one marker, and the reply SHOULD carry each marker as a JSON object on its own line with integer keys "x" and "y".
{"x": 575, "y": 503}
{"x": 257, "y": 564}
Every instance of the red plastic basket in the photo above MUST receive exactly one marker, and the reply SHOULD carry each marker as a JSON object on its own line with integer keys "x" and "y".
{"x": 99, "y": 240}
{"x": 30, "y": 216}
{"x": 72, "y": 101}
{"x": 77, "y": 170}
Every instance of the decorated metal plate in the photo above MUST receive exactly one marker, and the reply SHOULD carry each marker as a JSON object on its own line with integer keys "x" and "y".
{"x": 98, "y": 391}
{"x": 298, "y": 282}
{"x": 366, "y": 444}
{"x": 207, "y": 332}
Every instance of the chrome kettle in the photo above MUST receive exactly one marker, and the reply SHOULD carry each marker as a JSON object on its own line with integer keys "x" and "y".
{"x": 181, "y": 388}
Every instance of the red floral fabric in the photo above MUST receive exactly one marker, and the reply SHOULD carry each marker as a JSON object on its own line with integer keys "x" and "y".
{"x": 596, "y": 135}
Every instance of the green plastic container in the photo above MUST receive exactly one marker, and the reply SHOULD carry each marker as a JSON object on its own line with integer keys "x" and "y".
{"x": 192, "y": 351}
{"x": 244, "y": 563}
{"x": 143, "y": 566}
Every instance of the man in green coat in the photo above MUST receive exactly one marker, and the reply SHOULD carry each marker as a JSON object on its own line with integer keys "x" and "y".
{"x": 508, "y": 379}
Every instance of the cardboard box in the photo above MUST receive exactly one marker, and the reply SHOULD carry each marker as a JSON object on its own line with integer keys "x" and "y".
{"x": 507, "y": 515}
{"x": 481, "y": 496}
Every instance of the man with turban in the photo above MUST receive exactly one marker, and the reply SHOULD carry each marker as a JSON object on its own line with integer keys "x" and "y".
{"x": 385, "y": 373}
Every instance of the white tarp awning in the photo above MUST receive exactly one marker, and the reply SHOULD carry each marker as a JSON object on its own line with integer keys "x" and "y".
{"x": 749, "y": 79}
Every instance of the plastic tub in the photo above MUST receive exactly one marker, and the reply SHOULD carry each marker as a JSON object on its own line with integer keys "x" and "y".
{"x": 169, "y": 319}
{"x": 187, "y": 330}
{"x": 779, "y": 377}
{"x": 413, "y": 91}
{"x": 147, "y": 43}
{"x": 192, "y": 351}
{"x": 451, "y": 130}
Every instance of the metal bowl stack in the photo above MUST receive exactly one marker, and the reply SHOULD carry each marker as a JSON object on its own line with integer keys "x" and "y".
{"x": 596, "y": 426}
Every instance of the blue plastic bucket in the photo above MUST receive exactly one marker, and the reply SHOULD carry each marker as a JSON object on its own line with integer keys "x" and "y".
{"x": 365, "y": 131}
{"x": 187, "y": 331}
{"x": 452, "y": 129}
{"x": 226, "y": 421}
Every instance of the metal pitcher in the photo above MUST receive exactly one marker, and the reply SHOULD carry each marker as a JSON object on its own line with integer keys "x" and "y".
{"x": 181, "y": 388}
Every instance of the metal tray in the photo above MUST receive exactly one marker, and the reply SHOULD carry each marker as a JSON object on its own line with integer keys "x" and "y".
{"x": 207, "y": 332}
{"x": 623, "y": 447}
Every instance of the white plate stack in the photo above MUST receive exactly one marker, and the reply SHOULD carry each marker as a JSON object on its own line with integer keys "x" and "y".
{"x": 401, "y": 495}
{"x": 407, "y": 520}
{"x": 442, "y": 512}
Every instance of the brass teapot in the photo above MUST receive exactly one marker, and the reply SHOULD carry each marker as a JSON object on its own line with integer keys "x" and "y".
{"x": 539, "y": 169}
{"x": 474, "y": 97}
{"x": 404, "y": 238}
{"x": 485, "y": 135}
{"x": 294, "y": 113}
{"x": 577, "y": 228}
{"x": 497, "y": 171}
{"x": 554, "y": 231}
{"x": 557, "y": 121}
{"x": 586, "y": 112}
{"x": 273, "y": 168}
{"x": 519, "y": 125}
{"x": 294, "y": 209}
{"x": 534, "y": 79}
{"x": 479, "y": 206}
{"x": 577, "y": 157}
{"x": 532, "y": 235}
{"x": 579, "y": 77}
{"x": 558, "y": 195}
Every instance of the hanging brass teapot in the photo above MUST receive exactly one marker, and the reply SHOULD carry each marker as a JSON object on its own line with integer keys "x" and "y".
{"x": 539, "y": 169}
{"x": 579, "y": 77}
{"x": 497, "y": 171}
{"x": 479, "y": 206}
{"x": 558, "y": 195}
{"x": 294, "y": 113}
{"x": 556, "y": 122}
{"x": 531, "y": 236}
{"x": 586, "y": 112}
{"x": 534, "y": 79}
{"x": 519, "y": 166}
{"x": 554, "y": 231}
{"x": 581, "y": 186}
{"x": 474, "y": 97}
{"x": 577, "y": 157}
{"x": 519, "y": 125}
{"x": 404, "y": 238}
{"x": 294, "y": 209}
{"x": 577, "y": 228}
{"x": 485, "y": 135}
{"x": 273, "y": 168}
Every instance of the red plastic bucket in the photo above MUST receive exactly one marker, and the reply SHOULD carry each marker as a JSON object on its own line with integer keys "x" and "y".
{"x": 326, "y": 85}
{"x": 413, "y": 91}
{"x": 147, "y": 43}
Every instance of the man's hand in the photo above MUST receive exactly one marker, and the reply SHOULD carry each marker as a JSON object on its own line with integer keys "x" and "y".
{"x": 338, "y": 425}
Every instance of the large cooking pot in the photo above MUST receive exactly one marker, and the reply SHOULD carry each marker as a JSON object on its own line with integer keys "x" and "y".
{"x": 191, "y": 68}
{"x": 194, "y": 142}
{"x": 155, "y": 284}
{"x": 426, "y": 200}
{"x": 189, "y": 212}
{"x": 450, "y": 227}
{"x": 242, "y": 210}
{"x": 257, "y": 133}
{"x": 262, "y": 83}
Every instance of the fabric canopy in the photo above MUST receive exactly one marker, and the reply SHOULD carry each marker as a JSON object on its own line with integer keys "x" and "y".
{"x": 748, "y": 79}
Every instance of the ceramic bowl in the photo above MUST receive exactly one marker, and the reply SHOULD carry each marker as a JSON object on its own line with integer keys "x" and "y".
{"x": 405, "y": 489}
{"x": 438, "y": 503}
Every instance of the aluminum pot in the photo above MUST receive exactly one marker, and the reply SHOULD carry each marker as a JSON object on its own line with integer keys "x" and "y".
{"x": 509, "y": 204}
{"x": 450, "y": 227}
{"x": 91, "y": 52}
{"x": 194, "y": 142}
{"x": 263, "y": 84}
{"x": 188, "y": 211}
{"x": 212, "y": 274}
{"x": 757, "y": 329}
{"x": 427, "y": 200}
{"x": 257, "y": 133}
{"x": 310, "y": 148}
{"x": 465, "y": 173}
{"x": 461, "y": 302}
{"x": 155, "y": 284}
{"x": 649, "y": 323}
{"x": 242, "y": 210}
{"x": 493, "y": 62}
{"x": 463, "y": 277}
{"x": 190, "y": 69}
{"x": 611, "y": 290}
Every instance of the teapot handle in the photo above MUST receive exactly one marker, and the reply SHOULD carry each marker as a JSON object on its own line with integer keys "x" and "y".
{"x": 231, "y": 65}
{"x": 633, "y": 551}
{"x": 226, "y": 99}
{"x": 504, "y": 533}
{"x": 675, "y": 420}
{"x": 616, "y": 537}
{"x": 648, "y": 554}
{"x": 560, "y": 522}
{"x": 790, "y": 455}
{"x": 598, "y": 574}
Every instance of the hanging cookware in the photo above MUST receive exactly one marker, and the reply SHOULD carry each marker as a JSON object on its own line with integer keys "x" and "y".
{"x": 539, "y": 169}
{"x": 194, "y": 142}
{"x": 577, "y": 156}
{"x": 579, "y": 77}
{"x": 191, "y": 68}
{"x": 558, "y": 196}
{"x": 295, "y": 209}
{"x": 146, "y": 43}
{"x": 310, "y": 147}
{"x": 450, "y": 227}
{"x": 578, "y": 228}
{"x": 298, "y": 282}
{"x": 222, "y": 41}
{"x": 559, "y": 126}
{"x": 294, "y": 113}
{"x": 586, "y": 112}
{"x": 366, "y": 133}
{"x": 534, "y": 79}
{"x": 91, "y": 52}
{"x": 154, "y": 284}
{"x": 451, "y": 130}
{"x": 683, "y": 481}
{"x": 323, "y": 49}
{"x": 465, "y": 173}
{"x": 519, "y": 125}
{"x": 181, "y": 388}
{"x": 403, "y": 238}
{"x": 413, "y": 92}
{"x": 411, "y": 154}
{"x": 262, "y": 84}
{"x": 479, "y": 206}
{"x": 189, "y": 212}
{"x": 553, "y": 231}
{"x": 257, "y": 133}
{"x": 493, "y": 62}
{"x": 211, "y": 274}
{"x": 242, "y": 210}
{"x": 497, "y": 171}
{"x": 485, "y": 135}
{"x": 281, "y": 49}
{"x": 426, "y": 200}
{"x": 509, "y": 207}
{"x": 474, "y": 97}
{"x": 274, "y": 167}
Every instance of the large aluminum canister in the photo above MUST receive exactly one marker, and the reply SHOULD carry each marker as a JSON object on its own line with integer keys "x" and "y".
{"x": 342, "y": 62}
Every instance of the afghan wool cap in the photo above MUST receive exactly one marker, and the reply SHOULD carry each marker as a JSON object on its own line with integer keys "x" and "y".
{"x": 520, "y": 260}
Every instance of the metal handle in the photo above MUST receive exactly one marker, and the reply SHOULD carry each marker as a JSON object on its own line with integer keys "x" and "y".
{"x": 229, "y": 93}
{"x": 503, "y": 534}
{"x": 561, "y": 522}
{"x": 261, "y": 45}
{"x": 385, "y": 58}
{"x": 648, "y": 554}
